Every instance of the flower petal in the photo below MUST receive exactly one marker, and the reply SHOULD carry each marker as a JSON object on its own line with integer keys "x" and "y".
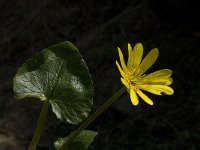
{"x": 125, "y": 83}
{"x": 144, "y": 97}
{"x": 137, "y": 55}
{"x": 130, "y": 58}
{"x": 159, "y": 73}
{"x": 157, "y": 89}
{"x": 158, "y": 81}
{"x": 121, "y": 57}
{"x": 133, "y": 96}
{"x": 160, "y": 77}
{"x": 120, "y": 69}
{"x": 148, "y": 61}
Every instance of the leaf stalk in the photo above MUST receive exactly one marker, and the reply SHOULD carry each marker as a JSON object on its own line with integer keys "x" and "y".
{"x": 91, "y": 118}
{"x": 40, "y": 126}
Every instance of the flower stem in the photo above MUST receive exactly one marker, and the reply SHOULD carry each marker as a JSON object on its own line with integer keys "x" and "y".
{"x": 40, "y": 126}
{"x": 91, "y": 118}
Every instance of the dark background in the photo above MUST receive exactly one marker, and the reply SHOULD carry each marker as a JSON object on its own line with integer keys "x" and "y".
{"x": 97, "y": 28}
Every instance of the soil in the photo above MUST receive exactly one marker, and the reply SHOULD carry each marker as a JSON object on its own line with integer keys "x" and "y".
{"x": 97, "y": 28}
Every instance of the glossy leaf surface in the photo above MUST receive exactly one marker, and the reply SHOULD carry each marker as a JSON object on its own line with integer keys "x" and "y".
{"x": 59, "y": 75}
{"x": 81, "y": 142}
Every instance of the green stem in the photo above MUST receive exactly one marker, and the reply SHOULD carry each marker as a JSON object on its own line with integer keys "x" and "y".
{"x": 40, "y": 126}
{"x": 91, "y": 118}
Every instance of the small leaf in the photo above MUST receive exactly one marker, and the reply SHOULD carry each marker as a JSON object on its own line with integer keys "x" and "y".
{"x": 81, "y": 142}
{"x": 57, "y": 74}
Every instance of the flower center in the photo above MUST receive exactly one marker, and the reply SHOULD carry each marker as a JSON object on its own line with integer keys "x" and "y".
{"x": 132, "y": 80}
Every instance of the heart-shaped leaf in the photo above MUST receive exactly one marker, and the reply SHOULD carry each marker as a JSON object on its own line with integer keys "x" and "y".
{"x": 59, "y": 75}
{"x": 81, "y": 142}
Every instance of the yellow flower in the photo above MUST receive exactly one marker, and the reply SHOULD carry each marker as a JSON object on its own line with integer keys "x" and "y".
{"x": 135, "y": 80}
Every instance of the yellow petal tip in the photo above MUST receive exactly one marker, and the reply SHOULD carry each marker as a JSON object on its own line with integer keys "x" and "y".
{"x": 139, "y": 45}
{"x": 156, "y": 50}
{"x": 133, "y": 96}
{"x": 151, "y": 104}
{"x": 119, "y": 49}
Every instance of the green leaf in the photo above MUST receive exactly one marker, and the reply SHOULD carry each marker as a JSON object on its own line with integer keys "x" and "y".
{"x": 81, "y": 142}
{"x": 59, "y": 75}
